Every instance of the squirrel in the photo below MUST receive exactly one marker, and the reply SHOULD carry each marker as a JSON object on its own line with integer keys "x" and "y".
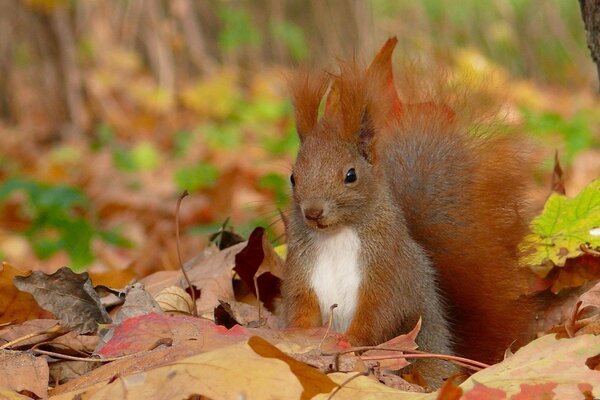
{"x": 402, "y": 211}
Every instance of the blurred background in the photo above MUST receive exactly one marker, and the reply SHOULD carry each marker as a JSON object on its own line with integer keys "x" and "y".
{"x": 109, "y": 109}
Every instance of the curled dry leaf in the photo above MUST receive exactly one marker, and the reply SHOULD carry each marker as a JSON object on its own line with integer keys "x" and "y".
{"x": 22, "y": 371}
{"x": 399, "y": 343}
{"x": 137, "y": 302}
{"x": 69, "y": 296}
{"x": 175, "y": 299}
{"x": 591, "y": 298}
{"x": 211, "y": 272}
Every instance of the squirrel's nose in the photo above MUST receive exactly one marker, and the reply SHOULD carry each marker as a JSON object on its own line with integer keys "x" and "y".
{"x": 313, "y": 213}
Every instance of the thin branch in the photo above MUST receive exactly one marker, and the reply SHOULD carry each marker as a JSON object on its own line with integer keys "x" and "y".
{"x": 185, "y": 275}
{"x": 56, "y": 329}
{"x": 347, "y": 381}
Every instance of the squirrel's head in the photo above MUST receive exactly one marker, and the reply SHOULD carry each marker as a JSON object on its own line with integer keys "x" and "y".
{"x": 336, "y": 175}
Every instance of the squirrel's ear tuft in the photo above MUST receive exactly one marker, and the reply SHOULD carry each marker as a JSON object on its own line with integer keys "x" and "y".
{"x": 382, "y": 70}
{"x": 307, "y": 89}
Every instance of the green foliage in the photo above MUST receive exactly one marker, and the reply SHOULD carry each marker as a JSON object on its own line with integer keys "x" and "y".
{"x": 575, "y": 132}
{"x": 143, "y": 156}
{"x": 564, "y": 225}
{"x": 513, "y": 34}
{"x": 182, "y": 140}
{"x": 200, "y": 176}
{"x": 59, "y": 220}
{"x": 292, "y": 36}
{"x": 238, "y": 29}
{"x": 287, "y": 143}
{"x": 223, "y": 136}
{"x": 278, "y": 185}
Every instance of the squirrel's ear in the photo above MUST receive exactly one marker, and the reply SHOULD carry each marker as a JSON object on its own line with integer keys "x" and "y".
{"x": 307, "y": 90}
{"x": 366, "y": 136}
{"x": 381, "y": 69}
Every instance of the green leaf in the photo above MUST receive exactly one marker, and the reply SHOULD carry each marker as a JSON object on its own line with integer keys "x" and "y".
{"x": 200, "y": 176}
{"x": 564, "y": 225}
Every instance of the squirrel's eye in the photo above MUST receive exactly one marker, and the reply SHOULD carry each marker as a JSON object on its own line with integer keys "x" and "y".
{"x": 350, "y": 176}
{"x": 292, "y": 180}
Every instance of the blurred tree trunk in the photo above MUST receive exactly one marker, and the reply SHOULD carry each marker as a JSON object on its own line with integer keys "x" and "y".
{"x": 590, "y": 12}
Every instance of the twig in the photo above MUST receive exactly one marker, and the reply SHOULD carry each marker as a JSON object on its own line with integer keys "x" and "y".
{"x": 329, "y": 323}
{"x": 347, "y": 381}
{"x": 571, "y": 324}
{"x": 255, "y": 279}
{"x": 411, "y": 354}
{"x": 73, "y": 358}
{"x": 589, "y": 250}
{"x": 55, "y": 329}
{"x": 185, "y": 275}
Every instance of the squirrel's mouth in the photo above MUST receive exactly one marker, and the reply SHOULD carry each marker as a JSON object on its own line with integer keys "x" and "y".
{"x": 320, "y": 225}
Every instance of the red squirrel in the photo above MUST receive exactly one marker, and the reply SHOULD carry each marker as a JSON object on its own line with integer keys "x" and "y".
{"x": 400, "y": 211}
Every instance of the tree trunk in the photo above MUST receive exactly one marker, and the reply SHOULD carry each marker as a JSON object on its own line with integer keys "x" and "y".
{"x": 590, "y": 12}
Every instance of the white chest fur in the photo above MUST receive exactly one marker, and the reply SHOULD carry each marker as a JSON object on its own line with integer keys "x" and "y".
{"x": 337, "y": 275}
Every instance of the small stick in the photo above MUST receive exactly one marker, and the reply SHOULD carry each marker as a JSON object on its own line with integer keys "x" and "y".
{"x": 185, "y": 275}
{"x": 73, "y": 358}
{"x": 329, "y": 323}
{"x": 255, "y": 279}
{"x": 412, "y": 354}
{"x": 347, "y": 381}
{"x": 588, "y": 250}
{"x": 571, "y": 324}
{"x": 54, "y": 330}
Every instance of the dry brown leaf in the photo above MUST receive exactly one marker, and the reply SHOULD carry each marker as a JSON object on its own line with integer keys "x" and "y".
{"x": 137, "y": 302}
{"x": 591, "y": 298}
{"x": 576, "y": 272}
{"x": 175, "y": 299}
{"x": 16, "y": 306}
{"x": 22, "y": 371}
{"x": 364, "y": 387}
{"x": 402, "y": 342}
{"x": 67, "y": 370}
{"x": 41, "y": 326}
{"x": 139, "y": 362}
{"x": 69, "y": 296}
{"x": 274, "y": 375}
{"x": 211, "y": 272}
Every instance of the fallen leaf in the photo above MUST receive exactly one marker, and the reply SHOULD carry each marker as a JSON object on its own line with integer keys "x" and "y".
{"x": 175, "y": 299}
{"x": 450, "y": 391}
{"x": 67, "y": 295}
{"x": 66, "y": 370}
{"x": 23, "y": 371}
{"x": 258, "y": 259}
{"x": 555, "y": 366}
{"x": 16, "y": 306}
{"x": 565, "y": 224}
{"x": 229, "y": 313}
{"x": 363, "y": 387}
{"x": 211, "y": 374}
{"x": 591, "y": 298}
{"x": 142, "y": 332}
{"x": 558, "y": 184}
{"x": 576, "y": 272}
{"x": 137, "y": 302}
{"x": 399, "y": 343}
{"x": 211, "y": 272}
{"x": 41, "y": 326}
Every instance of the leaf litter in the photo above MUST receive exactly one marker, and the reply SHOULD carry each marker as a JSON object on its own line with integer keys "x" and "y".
{"x": 157, "y": 350}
